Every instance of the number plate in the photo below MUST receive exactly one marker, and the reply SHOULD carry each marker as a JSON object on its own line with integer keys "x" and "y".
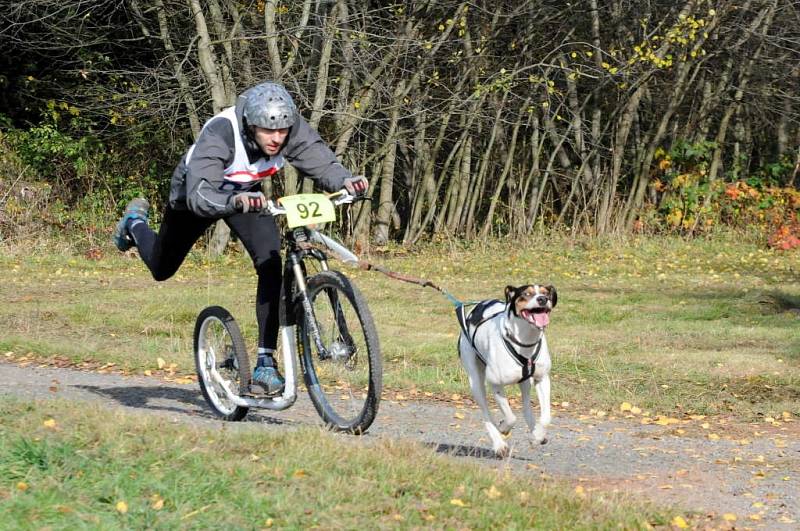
{"x": 307, "y": 209}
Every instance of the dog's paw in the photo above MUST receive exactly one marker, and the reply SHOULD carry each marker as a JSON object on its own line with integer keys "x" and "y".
{"x": 502, "y": 450}
{"x": 539, "y": 435}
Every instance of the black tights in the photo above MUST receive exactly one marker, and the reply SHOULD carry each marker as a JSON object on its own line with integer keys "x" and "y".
{"x": 163, "y": 253}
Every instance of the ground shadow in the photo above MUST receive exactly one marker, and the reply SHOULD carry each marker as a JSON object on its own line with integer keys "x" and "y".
{"x": 462, "y": 450}
{"x": 164, "y": 398}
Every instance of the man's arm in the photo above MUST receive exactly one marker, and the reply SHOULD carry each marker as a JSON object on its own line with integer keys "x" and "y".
{"x": 213, "y": 152}
{"x": 309, "y": 155}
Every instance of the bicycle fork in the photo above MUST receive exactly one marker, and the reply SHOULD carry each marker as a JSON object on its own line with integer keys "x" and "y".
{"x": 302, "y": 293}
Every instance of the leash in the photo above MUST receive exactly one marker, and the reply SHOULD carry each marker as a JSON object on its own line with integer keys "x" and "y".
{"x": 367, "y": 266}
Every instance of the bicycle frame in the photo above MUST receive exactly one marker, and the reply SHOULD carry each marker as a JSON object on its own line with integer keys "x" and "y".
{"x": 293, "y": 290}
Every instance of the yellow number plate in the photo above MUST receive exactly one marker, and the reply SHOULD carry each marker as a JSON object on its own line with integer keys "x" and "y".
{"x": 307, "y": 209}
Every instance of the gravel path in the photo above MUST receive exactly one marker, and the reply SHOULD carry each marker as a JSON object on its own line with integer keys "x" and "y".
{"x": 751, "y": 471}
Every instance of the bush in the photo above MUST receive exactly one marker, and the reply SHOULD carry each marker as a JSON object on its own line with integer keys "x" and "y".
{"x": 52, "y": 182}
{"x": 687, "y": 202}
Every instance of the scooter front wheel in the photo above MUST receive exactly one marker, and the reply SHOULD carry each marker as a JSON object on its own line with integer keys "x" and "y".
{"x": 221, "y": 361}
{"x": 342, "y": 367}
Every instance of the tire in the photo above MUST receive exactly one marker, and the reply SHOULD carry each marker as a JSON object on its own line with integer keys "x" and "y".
{"x": 216, "y": 335}
{"x": 346, "y": 379}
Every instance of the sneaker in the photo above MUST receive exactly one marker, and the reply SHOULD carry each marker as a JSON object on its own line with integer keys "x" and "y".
{"x": 269, "y": 379}
{"x": 137, "y": 208}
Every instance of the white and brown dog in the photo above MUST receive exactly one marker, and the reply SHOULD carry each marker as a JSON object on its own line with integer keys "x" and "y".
{"x": 503, "y": 343}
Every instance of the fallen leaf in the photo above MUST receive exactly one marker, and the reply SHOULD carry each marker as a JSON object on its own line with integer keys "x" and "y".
{"x": 625, "y": 406}
{"x": 679, "y": 522}
{"x": 50, "y": 423}
{"x": 458, "y": 415}
{"x": 492, "y": 493}
{"x": 579, "y": 490}
{"x": 458, "y": 503}
{"x": 299, "y": 473}
{"x": 156, "y": 502}
{"x": 22, "y": 486}
{"x": 729, "y": 517}
{"x": 160, "y": 362}
{"x": 122, "y": 507}
{"x": 666, "y": 421}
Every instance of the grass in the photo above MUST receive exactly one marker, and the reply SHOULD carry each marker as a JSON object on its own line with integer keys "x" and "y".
{"x": 706, "y": 326}
{"x": 63, "y": 467}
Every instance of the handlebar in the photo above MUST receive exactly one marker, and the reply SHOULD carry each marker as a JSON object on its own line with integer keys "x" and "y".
{"x": 342, "y": 197}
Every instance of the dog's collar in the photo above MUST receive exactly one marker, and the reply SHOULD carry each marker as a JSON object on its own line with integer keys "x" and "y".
{"x": 508, "y": 337}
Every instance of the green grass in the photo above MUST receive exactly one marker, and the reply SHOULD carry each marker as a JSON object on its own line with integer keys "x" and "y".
{"x": 706, "y": 326}
{"x": 63, "y": 467}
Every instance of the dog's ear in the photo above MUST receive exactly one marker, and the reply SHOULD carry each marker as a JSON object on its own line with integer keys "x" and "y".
{"x": 510, "y": 293}
{"x": 553, "y": 294}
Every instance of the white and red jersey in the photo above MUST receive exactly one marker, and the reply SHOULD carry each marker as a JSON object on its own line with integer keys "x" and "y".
{"x": 241, "y": 170}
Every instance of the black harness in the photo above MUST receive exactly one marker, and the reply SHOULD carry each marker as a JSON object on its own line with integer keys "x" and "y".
{"x": 477, "y": 316}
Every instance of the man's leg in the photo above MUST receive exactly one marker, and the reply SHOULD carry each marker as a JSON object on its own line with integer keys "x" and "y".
{"x": 164, "y": 252}
{"x": 260, "y": 236}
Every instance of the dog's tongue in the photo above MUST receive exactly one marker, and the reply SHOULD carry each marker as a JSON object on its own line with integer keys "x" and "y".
{"x": 541, "y": 319}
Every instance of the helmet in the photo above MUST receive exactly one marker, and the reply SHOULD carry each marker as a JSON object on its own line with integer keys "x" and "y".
{"x": 268, "y": 105}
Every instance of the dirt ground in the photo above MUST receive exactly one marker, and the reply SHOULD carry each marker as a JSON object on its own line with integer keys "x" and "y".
{"x": 735, "y": 475}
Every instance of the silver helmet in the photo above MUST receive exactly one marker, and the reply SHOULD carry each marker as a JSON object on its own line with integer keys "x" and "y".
{"x": 268, "y": 105}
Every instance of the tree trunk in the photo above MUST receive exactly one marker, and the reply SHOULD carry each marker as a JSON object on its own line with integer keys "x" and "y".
{"x": 207, "y": 59}
{"x": 506, "y": 169}
{"x": 175, "y": 64}
{"x": 465, "y": 174}
{"x": 385, "y": 202}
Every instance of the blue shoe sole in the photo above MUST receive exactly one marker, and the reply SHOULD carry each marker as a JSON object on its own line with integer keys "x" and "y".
{"x": 122, "y": 238}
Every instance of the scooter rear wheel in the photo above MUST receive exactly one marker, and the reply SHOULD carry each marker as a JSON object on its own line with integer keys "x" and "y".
{"x": 219, "y": 346}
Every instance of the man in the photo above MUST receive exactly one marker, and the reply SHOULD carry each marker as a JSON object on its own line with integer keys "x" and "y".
{"x": 220, "y": 177}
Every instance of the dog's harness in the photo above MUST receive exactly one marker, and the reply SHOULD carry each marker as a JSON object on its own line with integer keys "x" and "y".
{"x": 470, "y": 322}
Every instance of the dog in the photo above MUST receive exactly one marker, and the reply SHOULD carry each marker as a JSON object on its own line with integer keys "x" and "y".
{"x": 503, "y": 343}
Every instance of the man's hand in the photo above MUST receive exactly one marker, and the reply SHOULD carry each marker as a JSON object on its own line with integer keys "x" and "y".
{"x": 249, "y": 202}
{"x": 356, "y": 185}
